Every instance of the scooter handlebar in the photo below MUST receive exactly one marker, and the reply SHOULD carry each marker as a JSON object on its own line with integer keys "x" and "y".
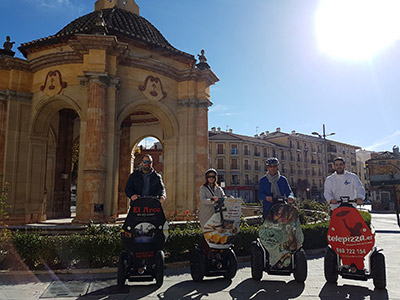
{"x": 145, "y": 197}
{"x": 346, "y": 199}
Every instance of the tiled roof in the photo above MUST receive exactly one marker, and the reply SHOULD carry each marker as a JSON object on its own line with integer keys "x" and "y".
{"x": 384, "y": 155}
{"x": 229, "y": 136}
{"x": 110, "y": 21}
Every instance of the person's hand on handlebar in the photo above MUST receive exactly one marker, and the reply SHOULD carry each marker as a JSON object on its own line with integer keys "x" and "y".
{"x": 333, "y": 201}
{"x": 134, "y": 197}
{"x": 214, "y": 199}
{"x": 290, "y": 200}
{"x": 268, "y": 198}
{"x": 162, "y": 199}
{"x": 359, "y": 201}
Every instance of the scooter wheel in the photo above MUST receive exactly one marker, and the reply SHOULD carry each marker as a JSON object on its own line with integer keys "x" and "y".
{"x": 331, "y": 266}
{"x": 197, "y": 265}
{"x": 257, "y": 261}
{"x": 231, "y": 264}
{"x": 378, "y": 270}
{"x": 122, "y": 269}
{"x": 300, "y": 266}
{"x": 160, "y": 266}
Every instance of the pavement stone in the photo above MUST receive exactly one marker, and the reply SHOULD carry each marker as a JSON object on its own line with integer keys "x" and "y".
{"x": 100, "y": 284}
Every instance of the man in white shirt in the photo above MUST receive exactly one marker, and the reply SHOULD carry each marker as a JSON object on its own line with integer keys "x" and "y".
{"x": 343, "y": 183}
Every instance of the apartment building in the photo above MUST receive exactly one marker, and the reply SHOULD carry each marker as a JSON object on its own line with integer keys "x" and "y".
{"x": 305, "y": 160}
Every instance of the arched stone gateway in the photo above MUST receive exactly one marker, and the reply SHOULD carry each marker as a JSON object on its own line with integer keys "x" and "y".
{"x": 100, "y": 85}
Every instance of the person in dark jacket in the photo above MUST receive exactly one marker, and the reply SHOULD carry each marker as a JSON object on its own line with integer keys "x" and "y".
{"x": 145, "y": 181}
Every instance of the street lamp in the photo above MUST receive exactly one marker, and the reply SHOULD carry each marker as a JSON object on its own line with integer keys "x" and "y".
{"x": 323, "y": 136}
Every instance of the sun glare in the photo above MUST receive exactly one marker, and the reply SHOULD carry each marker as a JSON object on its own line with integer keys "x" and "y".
{"x": 357, "y": 29}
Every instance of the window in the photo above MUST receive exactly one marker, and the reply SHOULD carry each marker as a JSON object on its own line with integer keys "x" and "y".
{"x": 256, "y": 166}
{"x": 266, "y": 154}
{"x": 246, "y": 150}
{"x": 234, "y": 149}
{"x": 235, "y": 179}
{"x": 246, "y": 164}
{"x": 256, "y": 152}
{"x": 220, "y": 149}
{"x": 246, "y": 179}
{"x": 234, "y": 163}
{"x": 221, "y": 178}
{"x": 220, "y": 163}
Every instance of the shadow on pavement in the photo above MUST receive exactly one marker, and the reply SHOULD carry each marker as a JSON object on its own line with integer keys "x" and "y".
{"x": 352, "y": 292}
{"x": 195, "y": 290}
{"x": 276, "y": 290}
{"x": 110, "y": 291}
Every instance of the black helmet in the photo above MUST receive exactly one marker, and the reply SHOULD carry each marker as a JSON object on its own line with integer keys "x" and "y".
{"x": 211, "y": 170}
{"x": 272, "y": 161}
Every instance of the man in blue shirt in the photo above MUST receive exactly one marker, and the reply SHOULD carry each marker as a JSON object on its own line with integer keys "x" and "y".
{"x": 272, "y": 185}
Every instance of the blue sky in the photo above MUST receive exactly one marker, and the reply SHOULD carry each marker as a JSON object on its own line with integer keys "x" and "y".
{"x": 267, "y": 54}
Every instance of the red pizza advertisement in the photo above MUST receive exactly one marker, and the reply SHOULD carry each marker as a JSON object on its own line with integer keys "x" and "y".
{"x": 349, "y": 236}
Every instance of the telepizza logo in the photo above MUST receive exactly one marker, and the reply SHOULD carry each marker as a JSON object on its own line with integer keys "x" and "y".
{"x": 349, "y": 239}
{"x": 347, "y": 182}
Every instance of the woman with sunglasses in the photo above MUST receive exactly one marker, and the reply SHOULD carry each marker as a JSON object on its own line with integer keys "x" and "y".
{"x": 210, "y": 191}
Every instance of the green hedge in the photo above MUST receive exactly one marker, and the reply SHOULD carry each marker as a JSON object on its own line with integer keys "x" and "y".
{"x": 100, "y": 246}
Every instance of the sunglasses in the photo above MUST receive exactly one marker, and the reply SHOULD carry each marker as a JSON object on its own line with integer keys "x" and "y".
{"x": 147, "y": 161}
{"x": 211, "y": 177}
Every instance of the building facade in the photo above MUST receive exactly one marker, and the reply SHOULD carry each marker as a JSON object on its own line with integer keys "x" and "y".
{"x": 240, "y": 160}
{"x": 105, "y": 81}
{"x": 383, "y": 172}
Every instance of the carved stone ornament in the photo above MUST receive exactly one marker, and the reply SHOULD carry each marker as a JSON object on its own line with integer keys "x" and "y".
{"x": 152, "y": 88}
{"x": 53, "y": 84}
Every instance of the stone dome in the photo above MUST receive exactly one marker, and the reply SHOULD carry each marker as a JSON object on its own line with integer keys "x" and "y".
{"x": 110, "y": 21}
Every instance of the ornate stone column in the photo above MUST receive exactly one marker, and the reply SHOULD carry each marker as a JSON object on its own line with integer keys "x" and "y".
{"x": 3, "y": 123}
{"x": 124, "y": 167}
{"x": 94, "y": 170}
{"x": 201, "y": 144}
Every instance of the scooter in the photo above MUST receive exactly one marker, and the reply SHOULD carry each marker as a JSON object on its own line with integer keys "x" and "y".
{"x": 278, "y": 249}
{"x": 144, "y": 233}
{"x": 216, "y": 257}
{"x": 350, "y": 241}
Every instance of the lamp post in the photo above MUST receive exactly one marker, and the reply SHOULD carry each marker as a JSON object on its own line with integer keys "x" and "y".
{"x": 325, "y": 153}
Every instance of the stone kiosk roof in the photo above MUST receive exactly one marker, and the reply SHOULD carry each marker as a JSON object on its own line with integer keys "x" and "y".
{"x": 110, "y": 21}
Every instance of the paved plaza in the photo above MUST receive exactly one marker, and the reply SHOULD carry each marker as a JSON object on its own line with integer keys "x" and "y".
{"x": 101, "y": 284}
